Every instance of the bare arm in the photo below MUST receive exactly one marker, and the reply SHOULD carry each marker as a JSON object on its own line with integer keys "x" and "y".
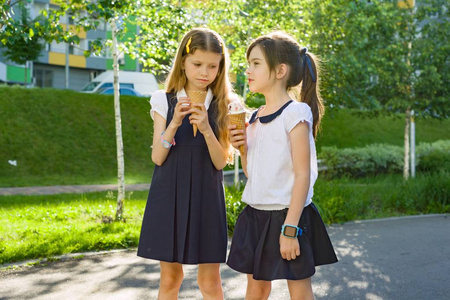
{"x": 159, "y": 153}
{"x": 299, "y": 136}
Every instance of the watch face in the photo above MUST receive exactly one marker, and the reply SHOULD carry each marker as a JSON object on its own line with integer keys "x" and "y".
{"x": 290, "y": 231}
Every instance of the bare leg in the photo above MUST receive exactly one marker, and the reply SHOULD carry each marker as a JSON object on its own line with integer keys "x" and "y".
{"x": 257, "y": 289}
{"x": 209, "y": 282}
{"x": 301, "y": 289}
{"x": 170, "y": 281}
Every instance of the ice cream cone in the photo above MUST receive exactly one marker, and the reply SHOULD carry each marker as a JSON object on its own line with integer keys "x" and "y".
{"x": 236, "y": 116}
{"x": 238, "y": 120}
{"x": 196, "y": 97}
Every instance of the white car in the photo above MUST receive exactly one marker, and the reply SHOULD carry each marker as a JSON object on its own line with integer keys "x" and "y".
{"x": 122, "y": 91}
{"x": 143, "y": 83}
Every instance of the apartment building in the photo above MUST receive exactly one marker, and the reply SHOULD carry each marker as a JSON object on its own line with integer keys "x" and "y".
{"x": 49, "y": 70}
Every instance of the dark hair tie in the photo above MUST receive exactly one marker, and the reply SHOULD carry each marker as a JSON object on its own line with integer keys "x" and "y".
{"x": 303, "y": 51}
{"x": 307, "y": 61}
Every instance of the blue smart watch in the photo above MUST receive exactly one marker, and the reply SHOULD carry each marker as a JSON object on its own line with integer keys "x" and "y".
{"x": 291, "y": 231}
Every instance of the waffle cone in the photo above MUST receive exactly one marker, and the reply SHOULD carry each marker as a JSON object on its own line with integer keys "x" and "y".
{"x": 196, "y": 97}
{"x": 239, "y": 121}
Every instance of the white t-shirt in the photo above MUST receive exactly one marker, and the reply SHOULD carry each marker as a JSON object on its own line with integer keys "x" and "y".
{"x": 269, "y": 161}
{"x": 158, "y": 102}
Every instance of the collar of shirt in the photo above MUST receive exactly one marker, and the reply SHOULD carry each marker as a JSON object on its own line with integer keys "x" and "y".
{"x": 268, "y": 118}
{"x": 208, "y": 99}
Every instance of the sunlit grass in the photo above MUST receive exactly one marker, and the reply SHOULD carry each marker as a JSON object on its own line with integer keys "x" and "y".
{"x": 43, "y": 226}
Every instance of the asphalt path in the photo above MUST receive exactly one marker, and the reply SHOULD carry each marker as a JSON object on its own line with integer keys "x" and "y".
{"x": 395, "y": 258}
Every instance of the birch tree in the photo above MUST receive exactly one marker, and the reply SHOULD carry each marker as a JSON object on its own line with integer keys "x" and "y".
{"x": 88, "y": 15}
{"x": 118, "y": 120}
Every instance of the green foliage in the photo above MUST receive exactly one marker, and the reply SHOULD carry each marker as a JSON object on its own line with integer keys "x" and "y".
{"x": 429, "y": 57}
{"x": 234, "y": 205}
{"x": 16, "y": 31}
{"x": 377, "y": 56}
{"x": 345, "y": 199}
{"x": 26, "y": 47}
{"x": 241, "y": 21}
{"x": 378, "y": 159}
{"x": 155, "y": 46}
{"x": 364, "y": 47}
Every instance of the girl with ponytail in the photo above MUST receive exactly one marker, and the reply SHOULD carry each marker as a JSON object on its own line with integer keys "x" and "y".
{"x": 280, "y": 234}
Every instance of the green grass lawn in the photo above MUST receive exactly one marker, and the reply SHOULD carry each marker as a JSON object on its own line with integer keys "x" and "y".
{"x": 45, "y": 226}
{"x": 63, "y": 137}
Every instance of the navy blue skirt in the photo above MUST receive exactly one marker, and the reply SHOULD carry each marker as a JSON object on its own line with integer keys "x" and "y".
{"x": 255, "y": 248}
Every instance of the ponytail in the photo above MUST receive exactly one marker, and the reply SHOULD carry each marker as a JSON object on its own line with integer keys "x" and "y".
{"x": 310, "y": 91}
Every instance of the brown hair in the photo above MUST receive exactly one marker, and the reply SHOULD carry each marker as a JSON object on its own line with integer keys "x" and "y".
{"x": 207, "y": 40}
{"x": 280, "y": 48}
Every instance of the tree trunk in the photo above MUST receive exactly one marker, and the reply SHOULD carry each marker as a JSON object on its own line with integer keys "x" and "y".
{"x": 406, "y": 157}
{"x": 119, "y": 141}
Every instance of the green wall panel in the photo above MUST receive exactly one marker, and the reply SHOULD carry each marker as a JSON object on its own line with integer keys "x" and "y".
{"x": 17, "y": 74}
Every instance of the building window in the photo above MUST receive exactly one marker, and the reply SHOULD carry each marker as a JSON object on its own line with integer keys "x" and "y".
{"x": 44, "y": 78}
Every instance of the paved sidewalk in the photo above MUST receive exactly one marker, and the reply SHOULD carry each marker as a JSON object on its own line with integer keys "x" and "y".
{"x": 73, "y": 189}
{"x": 396, "y": 258}
{"x": 79, "y": 189}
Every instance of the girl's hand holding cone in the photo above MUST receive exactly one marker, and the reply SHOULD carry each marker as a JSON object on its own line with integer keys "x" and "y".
{"x": 181, "y": 110}
{"x": 236, "y": 118}
{"x": 199, "y": 117}
{"x": 238, "y": 138}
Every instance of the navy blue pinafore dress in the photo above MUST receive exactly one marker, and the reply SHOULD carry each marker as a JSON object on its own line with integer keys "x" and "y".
{"x": 185, "y": 216}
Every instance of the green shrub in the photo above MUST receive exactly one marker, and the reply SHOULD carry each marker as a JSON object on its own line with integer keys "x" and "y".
{"x": 356, "y": 162}
{"x": 382, "y": 159}
{"x": 433, "y": 156}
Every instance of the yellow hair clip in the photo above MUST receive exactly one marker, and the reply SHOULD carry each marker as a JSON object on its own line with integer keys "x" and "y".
{"x": 188, "y": 43}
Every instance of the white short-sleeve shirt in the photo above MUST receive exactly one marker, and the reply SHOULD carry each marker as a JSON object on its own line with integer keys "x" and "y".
{"x": 269, "y": 161}
{"x": 158, "y": 102}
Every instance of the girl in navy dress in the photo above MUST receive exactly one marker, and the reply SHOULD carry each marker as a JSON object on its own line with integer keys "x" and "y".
{"x": 184, "y": 220}
{"x": 280, "y": 234}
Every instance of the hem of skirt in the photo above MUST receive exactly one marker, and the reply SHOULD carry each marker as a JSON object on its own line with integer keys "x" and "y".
{"x": 327, "y": 263}
{"x": 274, "y": 277}
{"x": 182, "y": 262}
